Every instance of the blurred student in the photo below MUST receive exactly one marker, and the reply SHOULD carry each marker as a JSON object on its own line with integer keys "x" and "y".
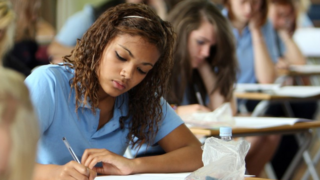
{"x": 18, "y": 128}
{"x": 7, "y": 16}
{"x": 23, "y": 55}
{"x": 205, "y": 64}
{"x": 283, "y": 16}
{"x": 257, "y": 55}
{"x": 204, "y": 58}
{"x": 107, "y": 96}
{"x": 79, "y": 23}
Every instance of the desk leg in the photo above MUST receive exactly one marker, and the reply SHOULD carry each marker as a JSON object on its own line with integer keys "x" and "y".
{"x": 304, "y": 141}
{"x": 260, "y": 109}
{"x": 288, "y": 109}
{"x": 314, "y": 162}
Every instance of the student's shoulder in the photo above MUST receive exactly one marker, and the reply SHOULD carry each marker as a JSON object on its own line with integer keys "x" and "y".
{"x": 53, "y": 72}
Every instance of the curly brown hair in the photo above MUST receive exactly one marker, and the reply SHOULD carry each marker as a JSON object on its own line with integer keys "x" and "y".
{"x": 186, "y": 17}
{"x": 144, "y": 99}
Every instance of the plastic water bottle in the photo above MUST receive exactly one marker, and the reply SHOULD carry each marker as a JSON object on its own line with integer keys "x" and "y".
{"x": 226, "y": 133}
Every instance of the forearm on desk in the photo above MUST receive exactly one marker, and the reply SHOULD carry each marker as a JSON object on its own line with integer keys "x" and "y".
{"x": 293, "y": 55}
{"x": 44, "y": 171}
{"x": 264, "y": 67}
{"x": 183, "y": 154}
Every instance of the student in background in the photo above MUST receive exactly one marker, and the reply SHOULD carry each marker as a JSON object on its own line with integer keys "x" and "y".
{"x": 204, "y": 58}
{"x": 18, "y": 128}
{"x": 6, "y": 27}
{"x": 108, "y": 95}
{"x": 79, "y": 23}
{"x": 257, "y": 55}
{"x": 283, "y": 16}
{"x": 205, "y": 64}
{"x": 22, "y": 57}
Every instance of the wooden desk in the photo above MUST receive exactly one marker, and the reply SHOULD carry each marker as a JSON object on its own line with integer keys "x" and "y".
{"x": 252, "y": 178}
{"x": 269, "y": 97}
{"x": 301, "y": 130}
{"x": 243, "y": 132}
{"x": 260, "y": 109}
{"x": 283, "y": 72}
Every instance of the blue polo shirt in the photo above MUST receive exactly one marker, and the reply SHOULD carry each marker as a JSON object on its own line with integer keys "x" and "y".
{"x": 245, "y": 53}
{"x": 76, "y": 26}
{"x": 54, "y": 102}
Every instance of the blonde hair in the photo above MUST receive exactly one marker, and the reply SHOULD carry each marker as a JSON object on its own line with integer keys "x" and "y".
{"x": 7, "y": 26}
{"x": 16, "y": 109}
{"x": 27, "y": 12}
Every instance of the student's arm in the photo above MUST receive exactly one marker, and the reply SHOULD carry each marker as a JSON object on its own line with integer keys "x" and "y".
{"x": 57, "y": 51}
{"x": 209, "y": 80}
{"x": 190, "y": 109}
{"x": 71, "y": 170}
{"x": 183, "y": 155}
{"x": 292, "y": 55}
{"x": 264, "y": 67}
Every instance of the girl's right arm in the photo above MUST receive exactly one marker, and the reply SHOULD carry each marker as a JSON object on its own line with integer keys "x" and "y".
{"x": 71, "y": 170}
{"x": 264, "y": 67}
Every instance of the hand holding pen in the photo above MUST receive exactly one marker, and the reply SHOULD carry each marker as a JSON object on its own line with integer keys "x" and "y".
{"x": 74, "y": 169}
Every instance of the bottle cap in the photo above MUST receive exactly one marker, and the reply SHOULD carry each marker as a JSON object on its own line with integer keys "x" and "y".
{"x": 225, "y": 131}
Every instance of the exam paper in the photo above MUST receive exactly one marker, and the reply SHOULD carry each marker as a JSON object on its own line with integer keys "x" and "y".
{"x": 166, "y": 176}
{"x": 151, "y": 176}
{"x": 265, "y": 122}
{"x": 276, "y": 89}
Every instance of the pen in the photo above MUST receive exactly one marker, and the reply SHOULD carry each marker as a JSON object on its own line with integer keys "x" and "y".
{"x": 70, "y": 150}
{"x": 198, "y": 95}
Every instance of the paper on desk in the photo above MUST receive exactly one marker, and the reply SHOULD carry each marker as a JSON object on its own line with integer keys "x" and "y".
{"x": 305, "y": 68}
{"x": 245, "y": 87}
{"x": 298, "y": 91}
{"x": 308, "y": 41}
{"x": 151, "y": 176}
{"x": 265, "y": 122}
{"x": 167, "y": 176}
{"x": 275, "y": 89}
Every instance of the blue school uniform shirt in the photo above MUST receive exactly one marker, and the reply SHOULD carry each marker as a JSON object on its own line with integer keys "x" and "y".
{"x": 54, "y": 102}
{"x": 245, "y": 52}
{"x": 76, "y": 26}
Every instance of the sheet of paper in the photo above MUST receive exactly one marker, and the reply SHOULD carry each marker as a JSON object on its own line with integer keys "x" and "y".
{"x": 265, "y": 122}
{"x": 256, "y": 87}
{"x": 298, "y": 91}
{"x": 164, "y": 176}
{"x": 151, "y": 176}
{"x": 305, "y": 68}
{"x": 308, "y": 40}
{"x": 275, "y": 89}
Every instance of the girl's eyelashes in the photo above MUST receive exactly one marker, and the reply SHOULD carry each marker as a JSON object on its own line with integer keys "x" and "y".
{"x": 123, "y": 59}
{"x": 119, "y": 57}
{"x": 141, "y": 72}
{"x": 200, "y": 42}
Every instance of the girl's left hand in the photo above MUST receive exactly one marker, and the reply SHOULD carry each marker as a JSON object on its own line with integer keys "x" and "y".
{"x": 111, "y": 163}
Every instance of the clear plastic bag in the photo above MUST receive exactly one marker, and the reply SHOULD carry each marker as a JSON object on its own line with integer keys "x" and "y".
{"x": 222, "y": 160}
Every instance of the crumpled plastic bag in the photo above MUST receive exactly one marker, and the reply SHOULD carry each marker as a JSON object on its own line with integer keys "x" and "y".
{"x": 222, "y": 116}
{"x": 223, "y": 160}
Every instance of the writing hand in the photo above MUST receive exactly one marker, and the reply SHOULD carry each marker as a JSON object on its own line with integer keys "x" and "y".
{"x": 73, "y": 170}
{"x": 112, "y": 164}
